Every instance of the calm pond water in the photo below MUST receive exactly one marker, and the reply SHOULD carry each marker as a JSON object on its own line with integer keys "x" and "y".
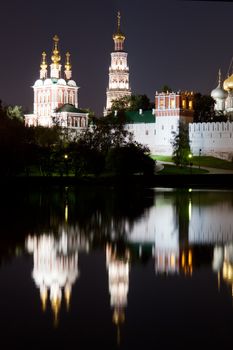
{"x": 122, "y": 269}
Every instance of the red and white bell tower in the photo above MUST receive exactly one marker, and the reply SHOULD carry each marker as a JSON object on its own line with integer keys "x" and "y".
{"x": 118, "y": 71}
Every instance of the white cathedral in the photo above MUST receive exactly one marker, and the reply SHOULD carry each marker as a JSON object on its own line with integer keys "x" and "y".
{"x": 56, "y": 95}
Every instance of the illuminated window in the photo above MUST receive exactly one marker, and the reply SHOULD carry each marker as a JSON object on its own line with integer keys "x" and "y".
{"x": 183, "y": 104}
{"x": 172, "y": 103}
{"x": 190, "y": 104}
{"x": 161, "y": 103}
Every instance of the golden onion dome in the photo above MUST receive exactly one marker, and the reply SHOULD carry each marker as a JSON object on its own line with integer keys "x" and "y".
{"x": 56, "y": 58}
{"x": 118, "y": 35}
{"x": 228, "y": 83}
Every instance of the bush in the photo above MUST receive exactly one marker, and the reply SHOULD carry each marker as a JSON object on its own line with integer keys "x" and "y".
{"x": 128, "y": 160}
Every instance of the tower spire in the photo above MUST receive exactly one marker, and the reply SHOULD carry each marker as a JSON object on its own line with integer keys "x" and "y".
{"x": 56, "y": 58}
{"x": 118, "y": 21}
{"x": 43, "y": 66}
{"x": 68, "y": 67}
{"x": 119, "y": 37}
{"x": 219, "y": 77}
{"x": 118, "y": 71}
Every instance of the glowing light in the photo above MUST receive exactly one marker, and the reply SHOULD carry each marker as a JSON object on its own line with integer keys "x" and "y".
{"x": 190, "y": 209}
{"x": 66, "y": 212}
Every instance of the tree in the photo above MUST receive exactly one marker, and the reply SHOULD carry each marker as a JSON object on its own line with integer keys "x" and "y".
{"x": 130, "y": 159}
{"x": 15, "y": 112}
{"x": 180, "y": 145}
{"x": 203, "y": 106}
{"x": 131, "y": 103}
{"x": 121, "y": 104}
{"x": 166, "y": 88}
{"x": 106, "y": 132}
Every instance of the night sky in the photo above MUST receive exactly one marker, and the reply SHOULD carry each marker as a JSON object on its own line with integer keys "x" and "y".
{"x": 178, "y": 43}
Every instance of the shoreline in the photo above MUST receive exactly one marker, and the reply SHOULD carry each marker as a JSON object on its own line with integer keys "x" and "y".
{"x": 179, "y": 181}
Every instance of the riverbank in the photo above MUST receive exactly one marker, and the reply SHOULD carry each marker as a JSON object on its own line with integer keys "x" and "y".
{"x": 191, "y": 180}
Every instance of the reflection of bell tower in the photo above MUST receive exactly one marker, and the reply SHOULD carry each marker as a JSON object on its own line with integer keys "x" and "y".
{"x": 118, "y": 277}
{"x": 55, "y": 269}
{"x": 223, "y": 260}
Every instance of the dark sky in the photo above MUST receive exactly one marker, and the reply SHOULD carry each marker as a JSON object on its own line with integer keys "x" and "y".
{"x": 179, "y": 43}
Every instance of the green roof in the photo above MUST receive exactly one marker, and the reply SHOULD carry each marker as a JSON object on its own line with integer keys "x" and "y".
{"x": 134, "y": 117}
{"x": 67, "y": 107}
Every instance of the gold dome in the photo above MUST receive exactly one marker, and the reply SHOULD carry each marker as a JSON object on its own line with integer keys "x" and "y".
{"x": 118, "y": 35}
{"x": 228, "y": 83}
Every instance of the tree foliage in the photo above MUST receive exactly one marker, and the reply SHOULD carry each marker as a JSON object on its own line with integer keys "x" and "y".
{"x": 131, "y": 103}
{"x": 203, "y": 106}
{"x": 180, "y": 145}
{"x": 105, "y": 146}
{"x": 166, "y": 88}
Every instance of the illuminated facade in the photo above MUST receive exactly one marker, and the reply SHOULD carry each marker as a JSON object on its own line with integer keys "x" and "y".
{"x": 56, "y": 95}
{"x": 118, "y": 86}
{"x": 155, "y": 128}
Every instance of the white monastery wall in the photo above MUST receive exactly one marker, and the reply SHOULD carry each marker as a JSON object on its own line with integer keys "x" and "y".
{"x": 214, "y": 139}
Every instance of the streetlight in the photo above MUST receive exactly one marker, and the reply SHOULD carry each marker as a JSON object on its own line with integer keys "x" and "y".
{"x": 199, "y": 157}
{"x": 66, "y": 163}
{"x": 190, "y": 164}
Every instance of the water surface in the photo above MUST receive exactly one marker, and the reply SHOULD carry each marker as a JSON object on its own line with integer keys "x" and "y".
{"x": 122, "y": 269}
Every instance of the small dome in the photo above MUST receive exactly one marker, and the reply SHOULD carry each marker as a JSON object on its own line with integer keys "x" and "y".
{"x": 228, "y": 83}
{"x": 71, "y": 83}
{"x": 39, "y": 82}
{"x": 61, "y": 82}
{"x": 118, "y": 36}
{"x": 48, "y": 82}
{"x": 219, "y": 93}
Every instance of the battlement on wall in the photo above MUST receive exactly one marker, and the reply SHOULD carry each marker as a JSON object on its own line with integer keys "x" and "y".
{"x": 213, "y": 139}
{"x": 218, "y": 126}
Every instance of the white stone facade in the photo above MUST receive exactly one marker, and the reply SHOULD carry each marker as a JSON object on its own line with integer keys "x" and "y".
{"x": 53, "y": 92}
{"x": 213, "y": 139}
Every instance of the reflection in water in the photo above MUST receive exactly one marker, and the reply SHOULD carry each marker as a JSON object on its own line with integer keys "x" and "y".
{"x": 118, "y": 278}
{"x": 55, "y": 267}
{"x": 223, "y": 264}
{"x": 179, "y": 232}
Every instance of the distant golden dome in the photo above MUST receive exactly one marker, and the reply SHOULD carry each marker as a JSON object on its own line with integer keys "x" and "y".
{"x": 228, "y": 83}
{"x": 118, "y": 36}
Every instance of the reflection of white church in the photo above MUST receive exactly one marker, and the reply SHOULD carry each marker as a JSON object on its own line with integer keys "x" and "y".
{"x": 55, "y": 267}
{"x": 118, "y": 282}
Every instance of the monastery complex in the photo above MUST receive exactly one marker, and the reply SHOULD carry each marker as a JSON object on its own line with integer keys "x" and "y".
{"x": 56, "y": 101}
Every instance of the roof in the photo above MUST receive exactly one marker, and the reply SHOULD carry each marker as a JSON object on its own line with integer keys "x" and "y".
{"x": 67, "y": 107}
{"x": 134, "y": 117}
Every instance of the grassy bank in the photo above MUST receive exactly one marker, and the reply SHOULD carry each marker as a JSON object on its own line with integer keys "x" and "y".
{"x": 174, "y": 170}
{"x": 203, "y": 161}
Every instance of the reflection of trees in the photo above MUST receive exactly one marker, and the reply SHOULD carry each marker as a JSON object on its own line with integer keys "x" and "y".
{"x": 102, "y": 213}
